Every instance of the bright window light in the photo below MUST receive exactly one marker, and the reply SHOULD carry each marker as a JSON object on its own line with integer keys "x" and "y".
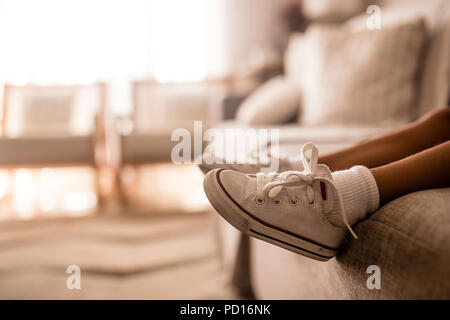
{"x": 23, "y": 200}
{"x": 72, "y": 41}
{"x": 82, "y": 41}
{"x": 178, "y": 33}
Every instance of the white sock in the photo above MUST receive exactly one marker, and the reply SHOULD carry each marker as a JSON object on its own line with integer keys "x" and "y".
{"x": 359, "y": 191}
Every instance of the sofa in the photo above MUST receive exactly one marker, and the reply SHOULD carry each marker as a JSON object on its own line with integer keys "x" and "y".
{"x": 408, "y": 239}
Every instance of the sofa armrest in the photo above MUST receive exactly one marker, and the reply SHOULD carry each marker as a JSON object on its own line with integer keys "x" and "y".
{"x": 408, "y": 239}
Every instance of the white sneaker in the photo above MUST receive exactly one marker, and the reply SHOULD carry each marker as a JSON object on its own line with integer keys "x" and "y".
{"x": 287, "y": 209}
{"x": 284, "y": 164}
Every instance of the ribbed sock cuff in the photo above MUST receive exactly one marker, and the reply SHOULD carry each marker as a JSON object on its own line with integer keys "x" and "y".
{"x": 359, "y": 191}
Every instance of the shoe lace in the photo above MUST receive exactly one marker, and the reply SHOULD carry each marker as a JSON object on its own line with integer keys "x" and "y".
{"x": 271, "y": 184}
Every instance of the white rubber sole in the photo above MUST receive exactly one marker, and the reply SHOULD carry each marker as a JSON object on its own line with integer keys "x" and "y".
{"x": 242, "y": 221}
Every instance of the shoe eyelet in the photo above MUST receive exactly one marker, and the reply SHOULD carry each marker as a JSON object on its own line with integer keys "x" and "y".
{"x": 293, "y": 202}
{"x": 276, "y": 202}
{"x": 259, "y": 201}
{"x": 312, "y": 203}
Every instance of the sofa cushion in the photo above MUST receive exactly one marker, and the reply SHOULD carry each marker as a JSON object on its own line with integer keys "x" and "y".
{"x": 408, "y": 239}
{"x": 435, "y": 66}
{"x": 275, "y": 102}
{"x": 358, "y": 77}
{"x": 333, "y": 135}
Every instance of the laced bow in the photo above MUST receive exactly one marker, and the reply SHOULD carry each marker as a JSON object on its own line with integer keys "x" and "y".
{"x": 270, "y": 185}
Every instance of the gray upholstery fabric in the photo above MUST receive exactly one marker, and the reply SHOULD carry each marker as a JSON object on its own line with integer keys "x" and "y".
{"x": 409, "y": 239}
{"x": 332, "y": 134}
{"x": 234, "y": 250}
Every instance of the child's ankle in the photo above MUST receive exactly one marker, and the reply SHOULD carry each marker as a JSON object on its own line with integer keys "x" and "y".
{"x": 359, "y": 192}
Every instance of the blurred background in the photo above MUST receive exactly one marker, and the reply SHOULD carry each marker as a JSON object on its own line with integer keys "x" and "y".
{"x": 91, "y": 92}
{"x": 77, "y": 75}
{"x": 147, "y": 66}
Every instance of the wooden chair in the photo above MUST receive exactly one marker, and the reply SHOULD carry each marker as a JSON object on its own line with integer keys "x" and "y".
{"x": 54, "y": 126}
{"x": 158, "y": 109}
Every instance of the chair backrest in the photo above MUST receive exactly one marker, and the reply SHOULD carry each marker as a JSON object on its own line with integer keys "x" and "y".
{"x": 51, "y": 110}
{"x": 162, "y": 106}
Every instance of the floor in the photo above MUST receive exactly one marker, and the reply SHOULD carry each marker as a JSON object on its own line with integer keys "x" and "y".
{"x": 127, "y": 256}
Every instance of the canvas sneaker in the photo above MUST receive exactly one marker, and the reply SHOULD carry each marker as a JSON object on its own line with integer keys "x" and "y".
{"x": 288, "y": 209}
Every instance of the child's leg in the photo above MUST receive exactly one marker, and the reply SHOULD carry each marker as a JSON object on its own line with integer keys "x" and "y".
{"x": 430, "y": 130}
{"x": 425, "y": 170}
{"x": 363, "y": 190}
